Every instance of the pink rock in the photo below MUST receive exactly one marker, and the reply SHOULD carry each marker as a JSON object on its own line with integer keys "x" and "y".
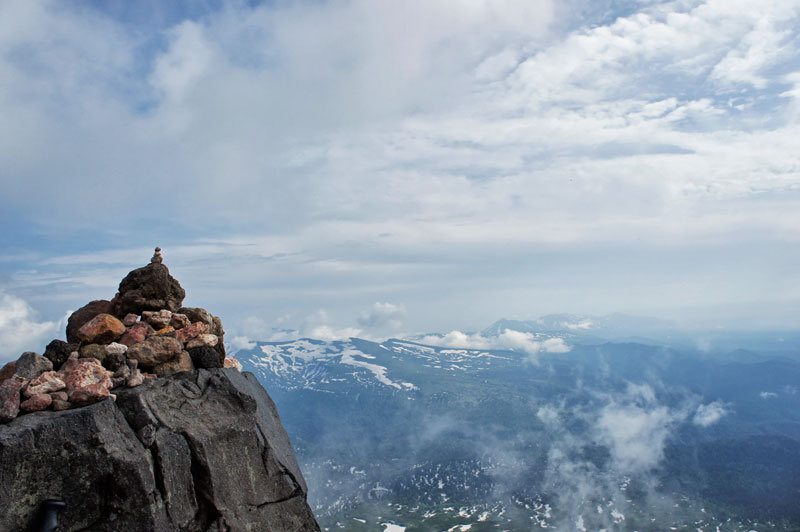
{"x": 9, "y": 397}
{"x": 136, "y": 334}
{"x": 192, "y": 331}
{"x": 87, "y": 381}
{"x": 179, "y": 321}
{"x": 207, "y": 340}
{"x": 154, "y": 350}
{"x": 47, "y": 382}
{"x": 102, "y": 329}
{"x": 136, "y": 379}
{"x": 35, "y": 403}
{"x": 129, "y": 320}
{"x": 158, "y": 319}
{"x": 231, "y": 362}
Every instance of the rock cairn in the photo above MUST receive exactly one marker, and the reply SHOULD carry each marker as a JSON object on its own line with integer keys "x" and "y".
{"x": 143, "y": 333}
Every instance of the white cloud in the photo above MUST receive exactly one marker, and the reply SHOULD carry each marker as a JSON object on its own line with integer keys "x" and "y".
{"x": 418, "y": 139}
{"x": 21, "y": 330}
{"x": 329, "y": 334}
{"x": 509, "y": 339}
{"x": 636, "y": 427}
{"x": 707, "y": 415}
{"x": 767, "y": 395}
{"x": 239, "y": 343}
{"x": 383, "y": 315}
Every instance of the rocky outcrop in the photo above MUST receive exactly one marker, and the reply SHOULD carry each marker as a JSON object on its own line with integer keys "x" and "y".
{"x": 180, "y": 445}
{"x": 203, "y": 451}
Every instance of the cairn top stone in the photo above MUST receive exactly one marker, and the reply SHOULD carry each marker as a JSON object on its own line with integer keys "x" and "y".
{"x": 157, "y": 258}
{"x": 148, "y": 288}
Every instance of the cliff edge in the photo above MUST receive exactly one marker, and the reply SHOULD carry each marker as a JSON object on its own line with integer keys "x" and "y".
{"x": 196, "y": 447}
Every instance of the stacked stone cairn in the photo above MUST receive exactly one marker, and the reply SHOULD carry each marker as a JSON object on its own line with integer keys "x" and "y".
{"x": 142, "y": 333}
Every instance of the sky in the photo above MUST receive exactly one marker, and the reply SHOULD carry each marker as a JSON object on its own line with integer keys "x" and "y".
{"x": 373, "y": 167}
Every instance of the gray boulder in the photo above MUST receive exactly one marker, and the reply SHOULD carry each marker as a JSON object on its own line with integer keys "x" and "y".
{"x": 204, "y": 450}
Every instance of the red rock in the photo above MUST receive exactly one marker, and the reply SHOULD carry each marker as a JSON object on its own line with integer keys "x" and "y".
{"x": 154, "y": 350}
{"x": 192, "y": 331}
{"x": 179, "y": 321}
{"x": 102, "y": 329}
{"x": 59, "y": 396}
{"x": 87, "y": 381}
{"x": 8, "y": 370}
{"x": 158, "y": 319}
{"x": 9, "y": 397}
{"x": 84, "y": 314}
{"x": 35, "y": 403}
{"x": 129, "y": 320}
{"x": 136, "y": 334}
{"x": 47, "y": 382}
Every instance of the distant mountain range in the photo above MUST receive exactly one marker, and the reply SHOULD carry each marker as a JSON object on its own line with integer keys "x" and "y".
{"x": 622, "y": 436}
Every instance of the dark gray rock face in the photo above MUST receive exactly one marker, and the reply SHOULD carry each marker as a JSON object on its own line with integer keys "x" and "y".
{"x": 204, "y": 450}
{"x": 148, "y": 288}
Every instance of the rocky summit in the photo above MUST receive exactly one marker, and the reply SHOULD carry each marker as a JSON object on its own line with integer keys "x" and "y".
{"x": 140, "y": 422}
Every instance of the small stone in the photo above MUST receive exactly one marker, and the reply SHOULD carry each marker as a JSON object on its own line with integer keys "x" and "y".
{"x": 30, "y": 365}
{"x": 59, "y": 396}
{"x": 179, "y": 321}
{"x": 205, "y": 358}
{"x": 207, "y": 340}
{"x": 132, "y": 364}
{"x": 196, "y": 314}
{"x": 154, "y": 350}
{"x": 35, "y": 403}
{"x": 9, "y": 397}
{"x": 116, "y": 349}
{"x": 87, "y": 381}
{"x": 58, "y": 351}
{"x": 165, "y": 331}
{"x": 192, "y": 331}
{"x": 123, "y": 372}
{"x": 47, "y": 382}
{"x": 94, "y": 351}
{"x": 136, "y": 379}
{"x": 102, "y": 329}
{"x": 182, "y": 362}
{"x": 83, "y": 315}
{"x": 59, "y": 405}
{"x": 130, "y": 319}
{"x": 157, "y": 258}
{"x": 136, "y": 334}
{"x": 116, "y": 382}
{"x": 159, "y": 319}
{"x": 231, "y": 362}
{"x": 8, "y": 370}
